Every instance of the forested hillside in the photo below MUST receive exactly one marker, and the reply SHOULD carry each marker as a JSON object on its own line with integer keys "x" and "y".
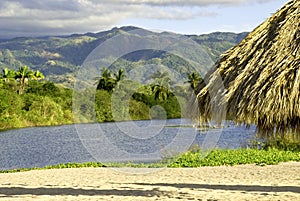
{"x": 59, "y": 57}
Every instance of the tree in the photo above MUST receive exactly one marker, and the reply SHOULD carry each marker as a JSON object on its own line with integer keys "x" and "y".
{"x": 161, "y": 86}
{"x": 194, "y": 79}
{"x": 8, "y": 78}
{"x": 107, "y": 82}
{"x": 120, "y": 75}
{"x": 38, "y": 75}
{"x": 45, "y": 111}
{"x": 8, "y": 75}
{"x": 160, "y": 92}
{"x": 23, "y": 74}
{"x": 10, "y": 109}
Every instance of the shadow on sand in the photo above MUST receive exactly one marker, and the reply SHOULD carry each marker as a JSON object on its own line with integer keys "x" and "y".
{"x": 60, "y": 191}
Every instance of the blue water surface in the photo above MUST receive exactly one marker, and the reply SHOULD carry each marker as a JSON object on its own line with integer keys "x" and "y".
{"x": 139, "y": 141}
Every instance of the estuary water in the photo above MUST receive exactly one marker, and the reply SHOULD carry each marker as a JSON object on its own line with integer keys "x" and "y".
{"x": 133, "y": 141}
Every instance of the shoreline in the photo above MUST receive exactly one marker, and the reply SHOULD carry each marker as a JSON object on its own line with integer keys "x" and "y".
{"x": 241, "y": 182}
{"x": 81, "y": 123}
{"x": 188, "y": 159}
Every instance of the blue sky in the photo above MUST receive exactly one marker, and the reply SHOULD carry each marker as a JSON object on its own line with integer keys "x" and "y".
{"x": 62, "y": 17}
{"x": 231, "y": 18}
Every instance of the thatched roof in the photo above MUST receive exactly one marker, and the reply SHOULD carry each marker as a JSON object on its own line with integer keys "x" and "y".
{"x": 261, "y": 76}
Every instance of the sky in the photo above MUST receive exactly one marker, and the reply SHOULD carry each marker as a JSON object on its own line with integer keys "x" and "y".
{"x": 20, "y": 18}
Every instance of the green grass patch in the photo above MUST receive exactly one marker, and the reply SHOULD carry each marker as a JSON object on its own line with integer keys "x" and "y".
{"x": 234, "y": 157}
{"x": 58, "y": 166}
{"x": 194, "y": 158}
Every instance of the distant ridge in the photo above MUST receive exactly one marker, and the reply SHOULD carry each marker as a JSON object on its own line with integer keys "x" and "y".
{"x": 59, "y": 56}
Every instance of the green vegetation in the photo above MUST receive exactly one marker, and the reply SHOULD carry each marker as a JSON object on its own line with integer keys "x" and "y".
{"x": 107, "y": 82}
{"x": 33, "y": 108}
{"x": 194, "y": 79}
{"x": 20, "y": 77}
{"x": 59, "y": 166}
{"x": 27, "y": 100}
{"x": 235, "y": 157}
{"x": 288, "y": 143}
{"x": 142, "y": 100}
{"x": 196, "y": 159}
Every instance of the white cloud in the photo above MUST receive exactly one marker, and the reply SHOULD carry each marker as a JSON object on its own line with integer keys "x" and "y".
{"x": 48, "y": 17}
{"x": 179, "y": 2}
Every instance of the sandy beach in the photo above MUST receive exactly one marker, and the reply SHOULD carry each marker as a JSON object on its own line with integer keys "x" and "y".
{"x": 243, "y": 182}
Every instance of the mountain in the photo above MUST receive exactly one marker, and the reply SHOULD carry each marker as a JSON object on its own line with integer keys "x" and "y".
{"x": 59, "y": 57}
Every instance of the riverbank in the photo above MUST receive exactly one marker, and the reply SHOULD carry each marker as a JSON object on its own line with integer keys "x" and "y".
{"x": 242, "y": 182}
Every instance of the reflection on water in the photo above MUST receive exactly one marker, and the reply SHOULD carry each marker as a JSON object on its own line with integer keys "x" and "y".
{"x": 138, "y": 141}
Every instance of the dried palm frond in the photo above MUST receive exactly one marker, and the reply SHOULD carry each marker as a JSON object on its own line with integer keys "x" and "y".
{"x": 261, "y": 77}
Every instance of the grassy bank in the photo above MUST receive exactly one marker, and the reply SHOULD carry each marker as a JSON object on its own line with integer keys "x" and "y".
{"x": 196, "y": 159}
{"x": 234, "y": 157}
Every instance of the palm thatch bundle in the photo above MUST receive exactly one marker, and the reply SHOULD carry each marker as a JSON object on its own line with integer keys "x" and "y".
{"x": 261, "y": 77}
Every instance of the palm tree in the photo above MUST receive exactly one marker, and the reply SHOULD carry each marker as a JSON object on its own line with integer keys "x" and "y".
{"x": 106, "y": 81}
{"x": 23, "y": 74}
{"x": 194, "y": 79}
{"x": 160, "y": 92}
{"x": 8, "y": 78}
{"x": 8, "y": 75}
{"x": 38, "y": 75}
{"x": 161, "y": 86}
{"x": 120, "y": 75}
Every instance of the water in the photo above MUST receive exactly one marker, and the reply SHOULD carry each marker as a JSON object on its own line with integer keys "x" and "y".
{"x": 140, "y": 141}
